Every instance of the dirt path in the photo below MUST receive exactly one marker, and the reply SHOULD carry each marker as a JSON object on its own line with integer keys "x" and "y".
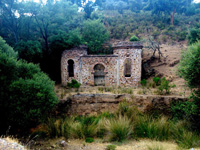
{"x": 99, "y": 145}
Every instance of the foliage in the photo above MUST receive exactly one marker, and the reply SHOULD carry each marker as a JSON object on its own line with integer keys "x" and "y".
{"x": 165, "y": 86}
{"x": 5, "y": 48}
{"x": 184, "y": 110}
{"x": 189, "y": 65}
{"x": 95, "y": 34}
{"x": 89, "y": 140}
{"x": 25, "y": 89}
{"x": 194, "y": 35}
{"x": 29, "y": 50}
{"x": 58, "y": 43}
{"x": 143, "y": 82}
{"x": 74, "y": 84}
{"x": 121, "y": 126}
{"x": 134, "y": 38}
{"x": 157, "y": 80}
{"x": 111, "y": 147}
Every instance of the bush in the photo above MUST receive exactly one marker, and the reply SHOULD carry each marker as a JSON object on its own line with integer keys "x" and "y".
{"x": 27, "y": 94}
{"x": 74, "y": 84}
{"x": 120, "y": 128}
{"x": 134, "y": 38}
{"x": 143, "y": 82}
{"x": 189, "y": 65}
{"x": 164, "y": 85}
{"x": 157, "y": 80}
{"x": 89, "y": 140}
{"x": 194, "y": 36}
{"x": 183, "y": 110}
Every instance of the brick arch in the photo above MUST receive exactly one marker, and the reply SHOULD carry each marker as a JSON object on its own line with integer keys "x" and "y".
{"x": 100, "y": 63}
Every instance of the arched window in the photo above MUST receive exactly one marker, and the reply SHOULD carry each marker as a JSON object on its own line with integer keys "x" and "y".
{"x": 99, "y": 74}
{"x": 127, "y": 67}
{"x": 71, "y": 68}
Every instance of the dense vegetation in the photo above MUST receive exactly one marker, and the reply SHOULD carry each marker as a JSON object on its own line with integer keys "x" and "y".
{"x": 26, "y": 93}
{"x": 39, "y": 32}
{"x": 125, "y": 124}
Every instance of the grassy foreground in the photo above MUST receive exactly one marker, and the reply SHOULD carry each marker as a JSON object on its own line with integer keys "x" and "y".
{"x": 126, "y": 124}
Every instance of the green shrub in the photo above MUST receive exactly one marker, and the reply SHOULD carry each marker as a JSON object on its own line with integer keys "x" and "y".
{"x": 111, "y": 147}
{"x": 73, "y": 84}
{"x": 189, "y": 64}
{"x": 120, "y": 128}
{"x": 89, "y": 140}
{"x": 134, "y": 38}
{"x": 25, "y": 89}
{"x": 183, "y": 110}
{"x": 157, "y": 80}
{"x": 165, "y": 86}
{"x": 143, "y": 82}
{"x": 194, "y": 36}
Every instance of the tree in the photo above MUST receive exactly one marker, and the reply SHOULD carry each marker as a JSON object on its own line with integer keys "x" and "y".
{"x": 29, "y": 50}
{"x": 190, "y": 64}
{"x": 189, "y": 70}
{"x": 94, "y": 34}
{"x": 12, "y": 14}
{"x": 88, "y": 8}
{"x": 118, "y": 5}
{"x": 27, "y": 94}
{"x": 167, "y": 7}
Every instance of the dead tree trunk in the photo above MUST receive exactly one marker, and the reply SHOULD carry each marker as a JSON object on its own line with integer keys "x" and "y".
{"x": 172, "y": 16}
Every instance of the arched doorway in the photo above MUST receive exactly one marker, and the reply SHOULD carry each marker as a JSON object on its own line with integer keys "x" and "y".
{"x": 71, "y": 68}
{"x": 99, "y": 75}
{"x": 127, "y": 67}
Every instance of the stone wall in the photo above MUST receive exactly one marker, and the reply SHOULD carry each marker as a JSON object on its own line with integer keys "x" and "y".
{"x": 114, "y": 73}
{"x": 84, "y": 104}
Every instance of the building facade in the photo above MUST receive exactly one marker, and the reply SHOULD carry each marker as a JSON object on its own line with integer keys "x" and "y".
{"x": 122, "y": 68}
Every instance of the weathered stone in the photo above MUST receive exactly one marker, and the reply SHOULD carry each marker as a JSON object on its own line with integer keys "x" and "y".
{"x": 63, "y": 143}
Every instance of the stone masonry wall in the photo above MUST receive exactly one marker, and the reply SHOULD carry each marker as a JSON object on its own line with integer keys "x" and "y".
{"x": 136, "y": 63}
{"x": 114, "y": 65}
{"x": 110, "y": 64}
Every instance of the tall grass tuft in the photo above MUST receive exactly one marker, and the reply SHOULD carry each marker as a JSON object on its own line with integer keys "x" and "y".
{"x": 58, "y": 128}
{"x": 84, "y": 127}
{"x": 183, "y": 137}
{"x": 148, "y": 127}
{"x": 119, "y": 128}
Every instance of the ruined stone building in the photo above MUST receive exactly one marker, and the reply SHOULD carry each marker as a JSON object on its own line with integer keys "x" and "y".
{"x": 122, "y": 68}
